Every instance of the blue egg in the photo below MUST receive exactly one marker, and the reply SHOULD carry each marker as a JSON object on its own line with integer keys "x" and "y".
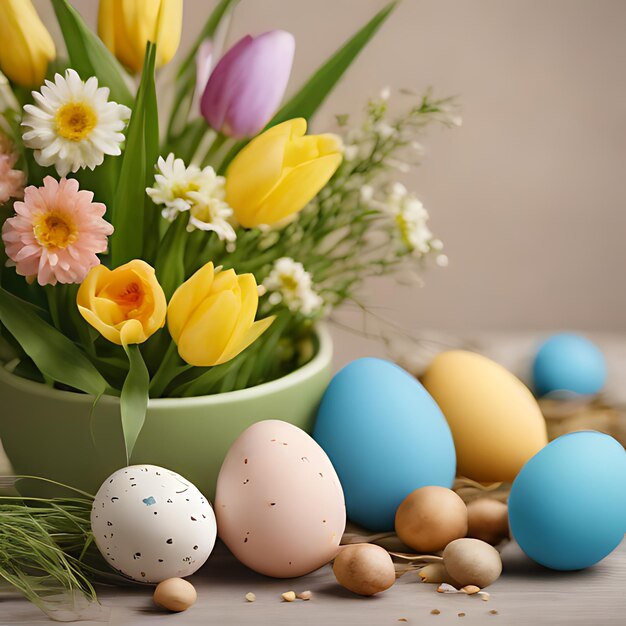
{"x": 385, "y": 436}
{"x": 567, "y": 507}
{"x": 569, "y": 363}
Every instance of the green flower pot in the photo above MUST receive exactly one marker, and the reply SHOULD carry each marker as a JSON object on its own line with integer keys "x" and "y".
{"x": 51, "y": 434}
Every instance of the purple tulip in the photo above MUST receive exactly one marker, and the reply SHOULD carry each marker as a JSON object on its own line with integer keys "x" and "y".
{"x": 248, "y": 84}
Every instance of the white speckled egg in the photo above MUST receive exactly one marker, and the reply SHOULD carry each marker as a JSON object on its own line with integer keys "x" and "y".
{"x": 279, "y": 504}
{"x": 151, "y": 524}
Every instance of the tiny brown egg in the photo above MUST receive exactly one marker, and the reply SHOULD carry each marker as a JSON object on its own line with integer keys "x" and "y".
{"x": 429, "y": 518}
{"x": 175, "y": 594}
{"x": 472, "y": 562}
{"x": 364, "y": 568}
{"x": 488, "y": 520}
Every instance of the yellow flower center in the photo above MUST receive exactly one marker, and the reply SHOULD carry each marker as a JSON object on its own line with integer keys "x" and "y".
{"x": 55, "y": 230}
{"x": 289, "y": 282}
{"x": 75, "y": 120}
{"x": 404, "y": 230}
{"x": 130, "y": 298}
{"x": 181, "y": 191}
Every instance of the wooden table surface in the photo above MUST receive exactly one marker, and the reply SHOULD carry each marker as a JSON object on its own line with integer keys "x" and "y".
{"x": 525, "y": 594}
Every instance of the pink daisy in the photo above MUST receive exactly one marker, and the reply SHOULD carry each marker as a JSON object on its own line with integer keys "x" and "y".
{"x": 56, "y": 233}
{"x": 11, "y": 181}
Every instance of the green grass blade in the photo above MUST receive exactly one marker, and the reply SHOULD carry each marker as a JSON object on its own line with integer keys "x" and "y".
{"x": 128, "y": 210}
{"x": 134, "y": 398}
{"x": 52, "y": 352}
{"x": 88, "y": 55}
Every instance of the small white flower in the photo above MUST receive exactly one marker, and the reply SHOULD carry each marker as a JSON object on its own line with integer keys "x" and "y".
{"x": 350, "y": 152}
{"x": 367, "y": 193}
{"x": 411, "y": 217}
{"x": 384, "y": 130}
{"x": 290, "y": 283}
{"x": 73, "y": 125}
{"x": 182, "y": 188}
{"x": 442, "y": 260}
{"x": 211, "y": 213}
{"x": 385, "y": 92}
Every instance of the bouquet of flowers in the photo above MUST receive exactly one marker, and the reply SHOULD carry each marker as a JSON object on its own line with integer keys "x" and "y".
{"x": 193, "y": 261}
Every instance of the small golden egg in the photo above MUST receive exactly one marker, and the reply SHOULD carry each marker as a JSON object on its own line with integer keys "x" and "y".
{"x": 175, "y": 594}
{"x": 364, "y": 568}
{"x": 430, "y": 518}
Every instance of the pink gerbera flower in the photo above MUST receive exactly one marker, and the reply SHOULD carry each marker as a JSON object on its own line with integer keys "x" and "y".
{"x": 11, "y": 181}
{"x": 56, "y": 233}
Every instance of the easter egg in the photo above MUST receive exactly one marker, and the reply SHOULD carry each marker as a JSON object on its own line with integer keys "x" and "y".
{"x": 567, "y": 507}
{"x": 279, "y": 505}
{"x": 569, "y": 364}
{"x": 151, "y": 524}
{"x": 385, "y": 436}
{"x": 495, "y": 420}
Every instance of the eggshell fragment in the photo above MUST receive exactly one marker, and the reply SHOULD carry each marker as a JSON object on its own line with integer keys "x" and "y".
{"x": 472, "y": 562}
{"x": 488, "y": 520}
{"x": 436, "y": 573}
{"x": 429, "y": 518}
{"x": 175, "y": 594}
{"x": 364, "y": 568}
{"x": 279, "y": 505}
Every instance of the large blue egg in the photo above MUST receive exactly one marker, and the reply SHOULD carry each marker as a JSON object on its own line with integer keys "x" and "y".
{"x": 569, "y": 363}
{"x": 385, "y": 436}
{"x": 567, "y": 507}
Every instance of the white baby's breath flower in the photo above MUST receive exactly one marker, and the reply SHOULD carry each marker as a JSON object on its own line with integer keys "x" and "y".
{"x": 290, "y": 283}
{"x": 73, "y": 125}
{"x": 385, "y": 92}
{"x": 411, "y": 217}
{"x": 350, "y": 152}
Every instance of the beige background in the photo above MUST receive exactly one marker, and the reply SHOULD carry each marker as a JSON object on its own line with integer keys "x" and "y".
{"x": 529, "y": 194}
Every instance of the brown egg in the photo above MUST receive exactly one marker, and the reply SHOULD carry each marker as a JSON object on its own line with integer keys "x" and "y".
{"x": 364, "y": 568}
{"x": 472, "y": 562}
{"x": 175, "y": 594}
{"x": 488, "y": 520}
{"x": 430, "y": 518}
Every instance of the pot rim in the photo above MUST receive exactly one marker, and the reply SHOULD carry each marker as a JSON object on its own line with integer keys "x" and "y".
{"x": 320, "y": 361}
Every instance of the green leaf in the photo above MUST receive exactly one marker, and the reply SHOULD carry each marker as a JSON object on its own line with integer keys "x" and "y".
{"x": 134, "y": 398}
{"x": 51, "y": 351}
{"x": 186, "y": 77}
{"x": 170, "y": 262}
{"x": 311, "y": 95}
{"x": 128, "y": 209}
{"x": 314, "y": 92}
{"x": 88, "y": 55}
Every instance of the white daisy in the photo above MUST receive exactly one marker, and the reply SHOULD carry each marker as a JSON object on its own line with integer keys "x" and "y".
{"x": 290, "y": 283}
{"x": 182, "y": 188}
{"x": 211, "y": 213}
{"x": 73, "y": 125}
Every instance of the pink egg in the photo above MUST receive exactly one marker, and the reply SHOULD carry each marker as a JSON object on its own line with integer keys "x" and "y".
{"x": 279, "y": 504}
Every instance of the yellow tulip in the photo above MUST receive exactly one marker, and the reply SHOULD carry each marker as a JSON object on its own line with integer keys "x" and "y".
{"x": 211, "y": 316}
{"x": 27, "y": 47}
{"x": 125, "y": 305}
{"x": 279, "y": 172}
{"x": 126, "y": 26}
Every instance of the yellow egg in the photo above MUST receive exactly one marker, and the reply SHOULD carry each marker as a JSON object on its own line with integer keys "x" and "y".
{"x": 495, "y": 421}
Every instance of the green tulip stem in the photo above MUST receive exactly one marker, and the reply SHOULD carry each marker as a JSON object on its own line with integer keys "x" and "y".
{"x": 168, "y": 370}
{"x": 213, "y": 149}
